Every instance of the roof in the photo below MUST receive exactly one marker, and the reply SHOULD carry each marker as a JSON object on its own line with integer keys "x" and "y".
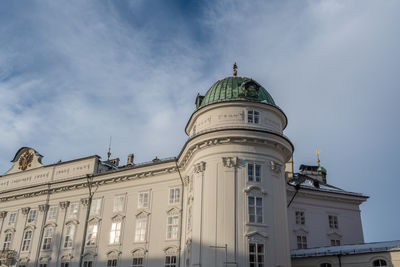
{"x": 347, "y": 249}
{"x": 235, "y": 88}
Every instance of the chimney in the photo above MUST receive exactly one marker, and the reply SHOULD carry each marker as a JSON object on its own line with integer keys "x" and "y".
{"x": 130, "y": 159}
{"x": 115, "y": 161}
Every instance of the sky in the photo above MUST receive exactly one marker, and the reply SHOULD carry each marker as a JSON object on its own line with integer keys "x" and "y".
{"x": 73, "y": 73}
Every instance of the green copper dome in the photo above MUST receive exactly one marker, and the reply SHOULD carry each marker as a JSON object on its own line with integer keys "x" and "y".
{"x": 231, "y": 88}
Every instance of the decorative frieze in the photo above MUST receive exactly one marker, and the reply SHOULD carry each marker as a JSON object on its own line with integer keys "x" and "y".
{"x": 275, "y": 167}
{"x": 64, "y": 204}
{"x": 230, "y": 162}
{"x": 199, "y": 167}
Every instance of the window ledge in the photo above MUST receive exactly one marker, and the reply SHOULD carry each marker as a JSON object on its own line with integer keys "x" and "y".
{"x": 257, "y": 224}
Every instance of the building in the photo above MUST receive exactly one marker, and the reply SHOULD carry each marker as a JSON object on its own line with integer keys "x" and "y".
{"x": 223, "y": 201}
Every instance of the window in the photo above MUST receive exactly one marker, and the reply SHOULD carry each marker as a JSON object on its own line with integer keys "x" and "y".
{"x": 300, "y": 219}
{"x": 256, "y": 255}
{"x": 47, "y": 237}
{"x": 333, "y": 221}
{"x": 174, "y": 195}
{"x": 112, "y": 263}
{"x": 87, "y": 264}
{"x": 92, "y": 234}
{"x": 253, "y": 116}
{"x": 119, "y": 203}
{"x": 143, "y": 200}
{"x": 43, "y": 265}
{"x": 255, "y": 209}
{"x": 254, "y": 172}
{"x": 325, "y": 265}
{"x": 301, "y": 241}
{"x": 379, "y": 263}
{"x": 140, "y": 233}
{"x": 172, "y": 227}
{"x": 137, "y": 262}
{"x": 73, "y": 210}
{"x": 12, "y": 219}
{"x": 26, "y": 242}
{"x": 115, "y": 232}
{"x": 69, "y": 236}
{"x": 64, "y": 264}
{"x": 335, "y": 242}
{"x": 52, "y": 213}
{"x": 95, "y": 207}
{"x": 32, "y": 215}
{"x": 7, "y": 241}
{"x": 170, "y": 261}
{"x": 21, "y": 265}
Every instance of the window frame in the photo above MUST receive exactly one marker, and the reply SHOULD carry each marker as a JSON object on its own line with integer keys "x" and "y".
{"x": 115, "y": 234}
{"x": 333, "y": 221}
{"x": 253, "y": 116}
{"x": 174, "y": 195}
{"x": 170, "y": 263}
{"x": 252, "y": 168}
{"x": 7, "y": 241}
{"x": 141, "y": 204}
{"x": 119, "y": 206}
{"x": 51, "y": 214}
{"x": 89, "y": 239}
{"x": 300, "y": 217}
{"x": 95, "y": 209}
{"x": 258, "y": 210}
{"x": 69, "y": 236}
{"x": 301, "y": 241}
{"x": 142, "y": 230}
{"x": 379, "y": 262}
{"x": 47, "y": 240}
{"x": 112, "y": 262}
{"x": 137, "y": 264}
{"x": 32, "y": 218}
{"x": 27, "y": 241}
{"x": 256, "y": 254}
{"x": 172, "y": 228}
{"x": 14, "y": 216}
{"x": 71, "y": 213}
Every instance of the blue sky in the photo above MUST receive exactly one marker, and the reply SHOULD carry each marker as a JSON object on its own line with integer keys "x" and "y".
{"x": 74, "y": 73}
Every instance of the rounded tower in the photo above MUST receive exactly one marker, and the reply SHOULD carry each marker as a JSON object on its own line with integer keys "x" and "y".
{"x": 234, "y": 167}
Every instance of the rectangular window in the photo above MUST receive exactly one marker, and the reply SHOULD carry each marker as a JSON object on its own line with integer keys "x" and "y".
{"x": 174, "y": 195}
{"x": 140, "y": 233}
{"x": 26, "y": 242}
{"x": 47, "y": 237}
{"x": 52, "y": 213}
{"x": 73, "y": 210}
{"x": 12, "y": 219}
{"x": 95, "y": 208}
{"x": 32, "y": 215}
{"x": 170, "y": 261}
{"x": 137, "y": 262}
{"x": 301, "y": 241}
{"x": 119, "y": 202}
{"x": 69, "y": 236}
{"x": 253, "y": 116}
{"x": 256, "y": 255}
{"x": 64, "y": 264}
{"x": 254, "y": 172}
{"x": 112, "y": 263}
{"x": 92, "y": 235}
{"x": 300, "y": 218}
{"x": 7, "y": 241}
{"x": 115, "y": 232}
{"x": 143, "y": 200}
{"x": 333, "y": 222}
{"x": 43, "y": 265}
{"x": 255, "y": 209}
{"x": 21, "y": 265}
{"x": 172, "y": 227}
{"x": 335, "y": 242}
{"x": 87, "y": 264}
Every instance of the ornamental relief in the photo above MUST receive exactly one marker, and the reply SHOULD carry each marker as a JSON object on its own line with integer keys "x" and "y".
{"x": 275, "y": 167}
{"x": 230, "y": 162}
{"x": 199, "y": 167}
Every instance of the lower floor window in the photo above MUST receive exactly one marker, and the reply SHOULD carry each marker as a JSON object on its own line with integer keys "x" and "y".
{"x": 256, "y": 255}
{"x": 111, "y": 263}
{"x": 335, "y": 242}
{"x": 301, "y": 241}
{"x": 325, "y": 265}
{"x": 379, "y": 263}
{"x": 87, "y": 264}
{"x": 170, "y": 261}
{"x": 137, "y": 262}
{"x": 43, "y": 265}
{"x": 64, "y": 264}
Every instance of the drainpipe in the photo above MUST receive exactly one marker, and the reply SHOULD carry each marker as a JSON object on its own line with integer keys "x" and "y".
{"x": 44, "y": 208}
{"x": 89, "y": 179}
{"x": 340, "y": 259}
{"x": 64, "y": 205}
{"x": 181, "y": 225}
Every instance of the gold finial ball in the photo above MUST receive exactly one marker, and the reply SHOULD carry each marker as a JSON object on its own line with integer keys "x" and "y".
{"x": 235, "y": 69}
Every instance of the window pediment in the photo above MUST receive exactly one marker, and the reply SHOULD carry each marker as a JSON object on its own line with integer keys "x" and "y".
{"x": 138, "y": 252}
{"x": 255, "y": 190}
{"x": 30, "y": 227}
{"x": 334, "y": 235}
{"x": 113, "y": 254}
{"x": 117, "y": 218}
{"x": 171, "y": 251}
{"x": 174, "y": 211}
{"x": 50, "y": 224}
{"x": 300, "y": 231}
{"x": 9, "y": 230}
{"x": 142, "y": 214}
{"x": 67, "y": 257}
{"x": 23, "y": 260}
{"x": 90, "y": 255}
{"x": 256, "y": 236}
{"x": 45, "y": 259}
{"x": 94, "y": 220}
{"x": 72, "y": 221}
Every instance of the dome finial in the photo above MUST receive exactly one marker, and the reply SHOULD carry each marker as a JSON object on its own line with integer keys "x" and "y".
{"x": 235, "y": 69}
{"x": 317, "y": 153}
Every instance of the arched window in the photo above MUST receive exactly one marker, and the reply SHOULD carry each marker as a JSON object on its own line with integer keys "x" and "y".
{"x": 7, "y": 241}
{"x": 69, "y": 236}
{"x": 26, "y": 242}
{"x": 379, "y": 263}
{"x": 47, "y": 237}
{"x": 325, "y": 265}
